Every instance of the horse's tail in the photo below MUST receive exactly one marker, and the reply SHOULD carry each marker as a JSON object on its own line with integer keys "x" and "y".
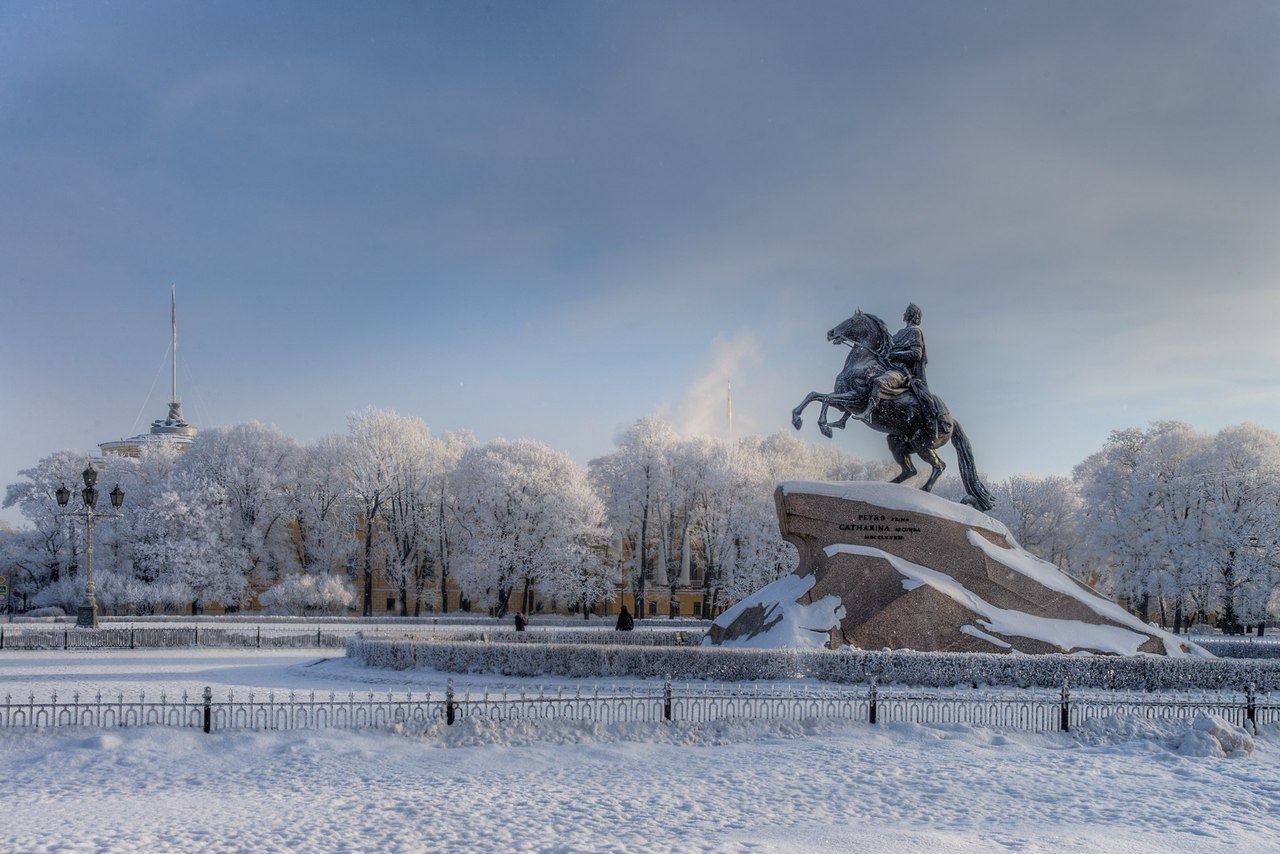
{"x": 978, "y": 495}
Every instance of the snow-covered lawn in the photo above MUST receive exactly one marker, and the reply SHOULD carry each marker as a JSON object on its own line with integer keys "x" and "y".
{"x": 1118, "y": 785}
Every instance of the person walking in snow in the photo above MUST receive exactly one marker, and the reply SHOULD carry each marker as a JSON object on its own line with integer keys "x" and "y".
{"x": 625, "y": 621}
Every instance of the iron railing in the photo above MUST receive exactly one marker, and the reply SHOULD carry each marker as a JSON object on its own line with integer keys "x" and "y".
{"x": 1036, "y": 710}
{"x": 1247, "y": 707}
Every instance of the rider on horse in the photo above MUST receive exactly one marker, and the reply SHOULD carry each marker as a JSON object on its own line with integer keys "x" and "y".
{"x": 907, "y": 360}
{"x": 882, "y": 366}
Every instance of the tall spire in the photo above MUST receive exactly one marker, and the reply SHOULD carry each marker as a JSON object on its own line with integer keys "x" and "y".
{"x": 174, "y": 406}
{"x": 730, "y": 409}
{"x": 173, "y": 425}
{"x": 172, "y": 428}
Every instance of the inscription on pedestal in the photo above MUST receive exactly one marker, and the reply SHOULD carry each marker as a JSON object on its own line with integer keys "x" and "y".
{"x": 874, "y": 526}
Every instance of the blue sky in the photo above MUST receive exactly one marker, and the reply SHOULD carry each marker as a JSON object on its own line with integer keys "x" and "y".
{"x": 546, "y": 220}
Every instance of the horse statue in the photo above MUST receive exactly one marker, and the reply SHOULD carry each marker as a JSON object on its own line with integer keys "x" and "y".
{"x": 899, "y": 413}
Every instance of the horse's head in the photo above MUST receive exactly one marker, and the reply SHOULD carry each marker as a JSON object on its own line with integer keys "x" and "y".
{"x": 865, "y": 329}
{"x": 842, "y": 332}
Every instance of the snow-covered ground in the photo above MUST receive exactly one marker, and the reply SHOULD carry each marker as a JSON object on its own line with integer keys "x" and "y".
{"x": 1116, "y": 785}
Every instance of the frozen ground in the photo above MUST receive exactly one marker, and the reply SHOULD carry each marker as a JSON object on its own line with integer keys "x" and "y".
{"x": 1120, "y": 785}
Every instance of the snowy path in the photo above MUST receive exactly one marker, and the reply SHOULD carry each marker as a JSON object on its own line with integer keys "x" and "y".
{"x": 636, "y": 787}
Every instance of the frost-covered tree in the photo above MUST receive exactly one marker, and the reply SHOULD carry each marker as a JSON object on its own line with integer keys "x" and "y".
{"x": 527, "y": 516}
{"x": 187, "y": 548}
{"x": 442, "y": 505}
{"x": 54, "y": 546}
{"x": 400, "y": 476}
{"x": 49, "y": 557}
{"x": 257, "y": 467}
{"x": 407, "y": 516}
{"x": 377, "y": 445}
{"x": 1041, "y": 513}
{"x": 636, "y": 483}
{"x": 1242, "y": 477}
{"x": 706, "y": 502}
{"x": 1183, "y": 521}
{"x": 1173, "y": 473}
{"x": 785, "y": 457}
{"x": 731, "y": 518}
{"x": 308, "y": 595}
{"x": 21, "y": 564}
{"x": 1116, "y": 517}
{"x": 321, "y": 507}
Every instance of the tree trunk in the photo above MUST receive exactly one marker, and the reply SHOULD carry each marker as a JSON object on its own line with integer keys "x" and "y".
{"x": 637, "y": 581}
{"x": 708, "y": 580}
{"x": 444, "y": 564}
{"x": 368, "y": 568}
{"x": 504, "y": 596}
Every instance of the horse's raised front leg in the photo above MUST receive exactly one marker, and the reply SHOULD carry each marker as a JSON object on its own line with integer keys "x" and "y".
{"x": 840, "y": 401}
{"x": 900, "y": 448}
{"x": 823, "y": 426}
{"x": 844, "y": 419}
{"x": 796, "y": 421}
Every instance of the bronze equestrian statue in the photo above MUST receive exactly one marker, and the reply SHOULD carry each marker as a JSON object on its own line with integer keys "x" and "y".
{"x": 883, "y": 385}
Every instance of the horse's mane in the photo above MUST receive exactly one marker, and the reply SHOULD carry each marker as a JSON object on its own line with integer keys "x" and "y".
{"x": 885, "y": 334}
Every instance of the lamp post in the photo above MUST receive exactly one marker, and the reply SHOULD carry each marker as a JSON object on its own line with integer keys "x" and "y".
{"x": 87, "y": 617}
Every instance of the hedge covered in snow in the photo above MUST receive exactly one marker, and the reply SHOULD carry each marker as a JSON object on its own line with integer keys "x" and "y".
{"x": 454, "y": 618}
{"x": 274, "y": 635}
{"x": 168, "y": 637}
{"x": 1240, "y": 648}
{"x": 653, "y": 637}
{"x": 842, "y": 666}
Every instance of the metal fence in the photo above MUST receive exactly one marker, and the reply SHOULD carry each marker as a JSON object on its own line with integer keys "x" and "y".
{"x": 1245, "y": 708}
{"x": 1036, "y": 711}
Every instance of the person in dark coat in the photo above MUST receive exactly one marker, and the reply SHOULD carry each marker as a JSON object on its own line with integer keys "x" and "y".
{"x": 625, "y": 622}
{"x": 521, "y": 621}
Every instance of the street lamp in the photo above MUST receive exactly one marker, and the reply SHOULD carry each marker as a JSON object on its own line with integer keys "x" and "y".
{"x": 87, "y": 617}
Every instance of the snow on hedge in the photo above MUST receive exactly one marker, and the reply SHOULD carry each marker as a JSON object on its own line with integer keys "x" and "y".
{"x": 1238, "y": 647}
{"x": 847, "y": 665}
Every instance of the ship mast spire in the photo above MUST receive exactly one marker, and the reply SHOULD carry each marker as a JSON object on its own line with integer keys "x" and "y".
{"x": 729, "y": 409}
{"x": 175, "y": 407}
{"x": 172, "y": 429}
{"x": 173, "y": 297}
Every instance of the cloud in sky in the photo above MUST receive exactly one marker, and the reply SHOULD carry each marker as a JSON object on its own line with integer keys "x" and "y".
{"x": 704, "y": 408}
{"x": 530, "y": 219}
